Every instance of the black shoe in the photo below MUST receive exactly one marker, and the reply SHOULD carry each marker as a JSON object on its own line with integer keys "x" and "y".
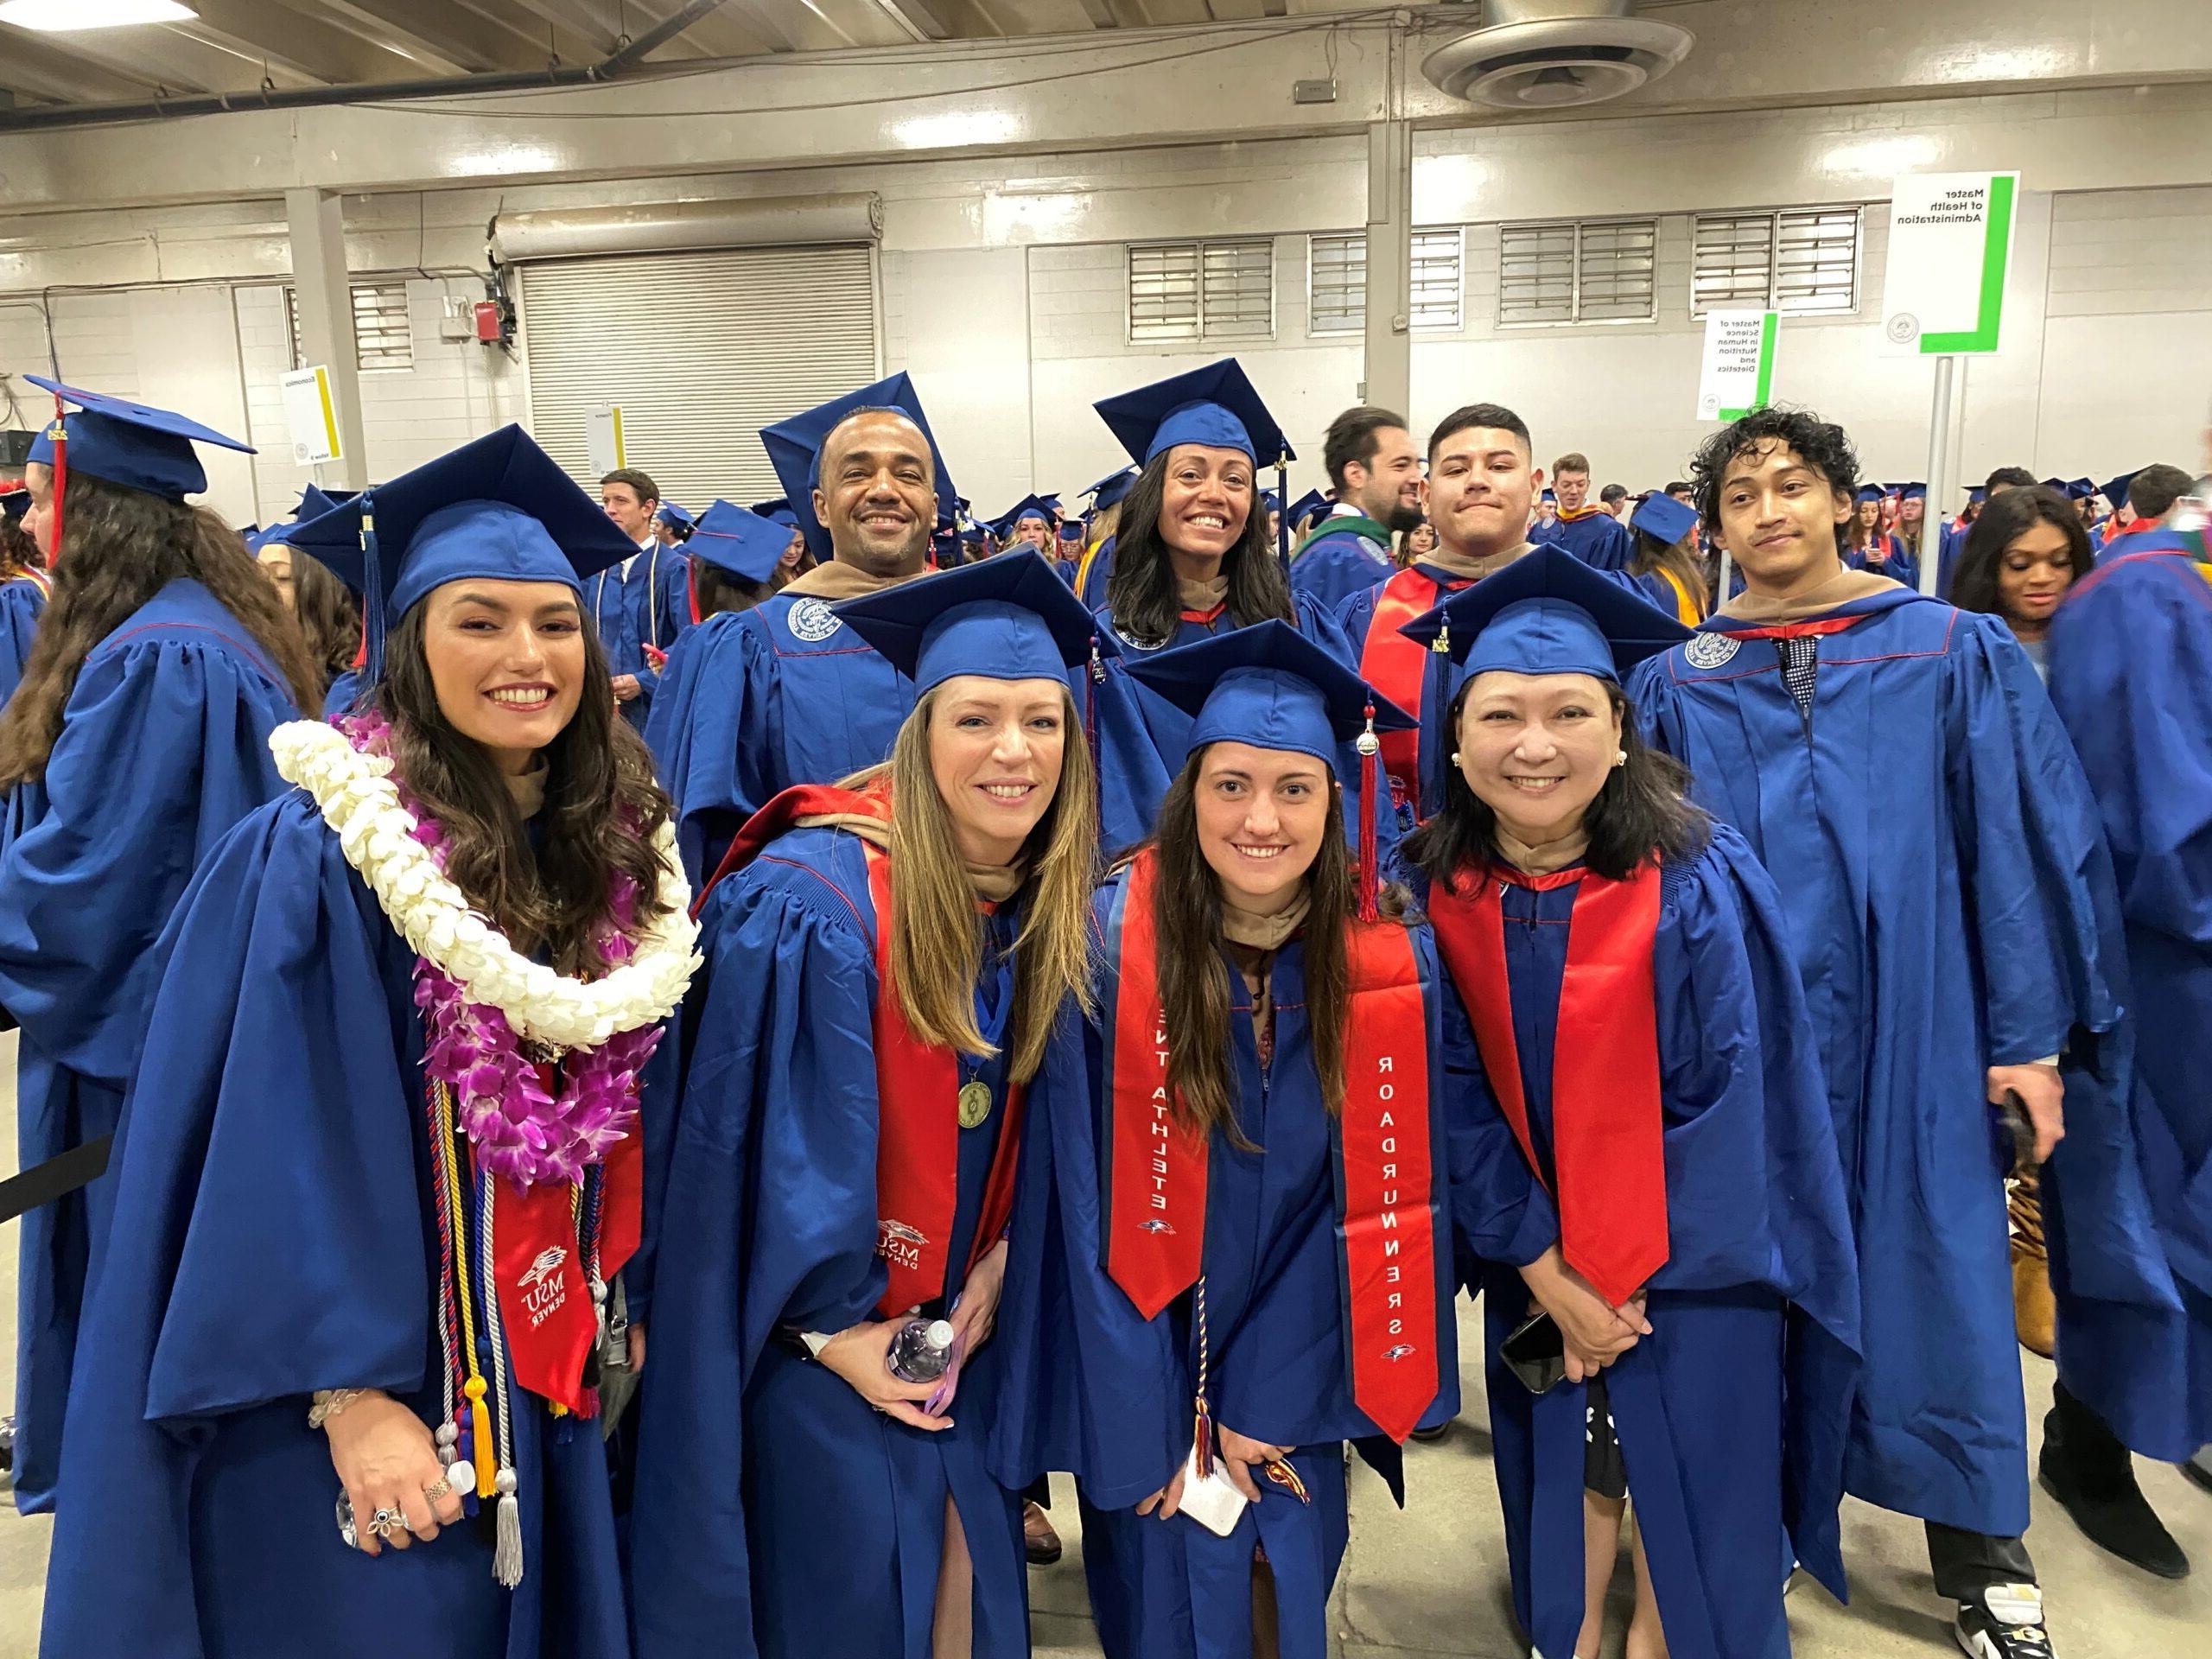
{"x": 2198, "y": 1469}
{"x": 1430, "y": 1436}
{"x": 2004, "y": 1622}
{"x": 2119, "y": 1519}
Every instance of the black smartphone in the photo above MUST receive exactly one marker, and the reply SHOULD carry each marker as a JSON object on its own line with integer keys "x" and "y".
{"x": 2019, "y": 1132}
{"x": 1536, "y": 1353}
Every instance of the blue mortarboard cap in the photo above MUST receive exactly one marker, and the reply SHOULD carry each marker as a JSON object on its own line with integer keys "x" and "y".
{"x": 1029, "y": 506}
{"x": 1072, "y": 529}
{"x": 15, "y": 503}
{"x": 672, "y": 514}
{"x": 794, "y": 449}
{"x": 1976, "y": 495}
{"x": 1006, "y": 619}
{"x": 1914, "y": 491}
{"x": 743, "y": 544}
{"x": 1111, "y": 488}
{"x": 1663, "y": 519}
{"x": 40, "y": 453}
{"x": 1871, "y": 493}
{"x": 314, "y": 501}
{"x": 2057, "y": 484}
{"x": 1272, "y": 499}
{"x": 1306, "y": 506}
{"x": 1052, "y": 502}
{"x": 134, "y": 445}
{"x": 498, "y": 508}
{"x": 1216, "y": 406}
{"x": 2080, "y": 489}
{"x": 2115, "y": 490}
{"x": 777, "y": 511}
{"x": 1546, "y": 613}
{"x": 1269, "y": 686}
{"x": 1550, "y": 498}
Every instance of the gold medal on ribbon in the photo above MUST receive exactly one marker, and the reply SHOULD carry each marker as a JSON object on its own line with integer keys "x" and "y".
{"x": 975, "y": 1103}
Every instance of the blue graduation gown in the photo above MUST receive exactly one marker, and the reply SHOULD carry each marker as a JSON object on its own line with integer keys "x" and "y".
{"x": 1596, "y": 538}
{"x": 164, "y": 746}
{"x": 651, "y": 605}
{"x": 274, "y": 1236}
{"x": 1732, "y": 1414}
{"x": 1091, "y": 579}
{"x": 1340, "y": 559}
{"x": 2131, "y": 677}
{"x": 1094, "y": 1390}
{"x": 1941, "y": 869}
{"x": 22, "y": 600}
{"x": 777, "y": 1512}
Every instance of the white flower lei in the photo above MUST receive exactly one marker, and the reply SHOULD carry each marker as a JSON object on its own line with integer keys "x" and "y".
{"x": 360, "y": 803}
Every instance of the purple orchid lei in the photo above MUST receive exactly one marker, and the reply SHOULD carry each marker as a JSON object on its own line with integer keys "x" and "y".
{"x": 517, "y": 1128}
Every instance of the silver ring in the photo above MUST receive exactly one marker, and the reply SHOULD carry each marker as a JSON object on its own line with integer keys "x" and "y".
{"x": 385, "y": 1521}
{"x": 443, "y": 1488}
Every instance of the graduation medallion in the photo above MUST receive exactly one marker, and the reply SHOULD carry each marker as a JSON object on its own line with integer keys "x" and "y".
{"x": 975, "y": 1103}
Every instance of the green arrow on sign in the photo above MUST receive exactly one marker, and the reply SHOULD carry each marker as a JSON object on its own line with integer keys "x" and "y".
{"x": 1763, "y": 393}
{"x": 1997, "y": 241}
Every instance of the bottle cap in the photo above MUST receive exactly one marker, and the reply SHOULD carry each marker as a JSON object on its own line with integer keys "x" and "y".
{"x": 939, "y": 1334}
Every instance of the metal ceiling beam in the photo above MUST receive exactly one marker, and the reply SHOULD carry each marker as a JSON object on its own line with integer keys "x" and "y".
{"x": 377, "y": 35}
{"x": 915, "y": 19}
{"x": 34, "y": 65}
{"x": 303, "y": 40}
{"x": 580, "y": 24}
{"x": 629, "y": 57}
{"x": 462, "y": 36}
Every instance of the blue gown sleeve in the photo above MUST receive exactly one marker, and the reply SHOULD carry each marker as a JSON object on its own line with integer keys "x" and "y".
{"x": 769, "y": 1218}
{"x": 164, "y": 748}
{"x": 268, "y": 1237}
{"x": 1755, "y": 1192}
{"x": 2031, "y": 852}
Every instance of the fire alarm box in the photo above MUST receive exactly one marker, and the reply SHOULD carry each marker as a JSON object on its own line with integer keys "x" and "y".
{"x": 489, "y": 327}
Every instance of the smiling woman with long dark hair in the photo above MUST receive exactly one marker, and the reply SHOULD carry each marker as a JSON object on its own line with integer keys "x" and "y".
{"x": 384, "y": 1168}
{"x": 1238, "y": 1130}
{"x": 138, "y": 735}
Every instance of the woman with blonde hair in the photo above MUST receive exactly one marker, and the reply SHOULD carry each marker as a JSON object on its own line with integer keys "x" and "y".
{"x": 886, "y": 958}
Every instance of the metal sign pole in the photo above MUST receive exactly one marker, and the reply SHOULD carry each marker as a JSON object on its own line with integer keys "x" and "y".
{"x": 1939, "y": 466}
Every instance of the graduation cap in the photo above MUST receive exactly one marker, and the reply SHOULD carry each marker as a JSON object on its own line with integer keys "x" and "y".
{"x": 1072, "y": 529}
{"x": 314, "y": 501}
{"x": 1052, "y": 502}
{"x": 1216, "y": 406}
{"x": 1912, "y": 491}
{"x": 1029, "y": 506}
{"x": 1004, "y": 618}
{"x": 1871, "y": 493}
{"x": 40, "y": 454}
{"x": 675, "y": 518}
{"x": 1976, "y": 495}
{"x": 1109, "y": 490}
{"x": 794, "y": 449}
{"x": 2080, "y": 489}
{"x": 1546, "y": 612}
{"x": 1270, "y": 686}
{"x": 2115, "y": 490}
{"x": 133, "y": 445}
{"x": 499, "y": 509}
{"x": 1549, "y": 498}
{"x": 1663, "y": 519}
{"x": 1272, "y": 499}
{"x": 778, "y": 511}
{"x": 742, "y": 543}
{"x": 1306, "y": 507}
{"x": 15, "y": 503}
{"x": 2057, "y": 484}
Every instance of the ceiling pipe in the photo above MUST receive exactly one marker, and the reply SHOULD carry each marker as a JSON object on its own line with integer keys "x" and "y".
{"x": 623, "y": 64}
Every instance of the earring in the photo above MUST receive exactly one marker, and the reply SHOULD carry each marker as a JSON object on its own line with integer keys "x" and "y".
{"x": 1620, "y": 757}
{"x": 1455, "y": 757}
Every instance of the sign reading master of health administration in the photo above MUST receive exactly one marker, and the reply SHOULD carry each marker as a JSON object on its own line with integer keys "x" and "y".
{"x": 1950, "y": 244}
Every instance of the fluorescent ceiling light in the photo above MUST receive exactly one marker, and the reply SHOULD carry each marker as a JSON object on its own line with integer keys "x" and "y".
{"x": 66, "y": 17}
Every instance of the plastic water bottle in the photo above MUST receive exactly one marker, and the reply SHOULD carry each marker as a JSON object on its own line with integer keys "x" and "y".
{"x": 922, "y": 1351}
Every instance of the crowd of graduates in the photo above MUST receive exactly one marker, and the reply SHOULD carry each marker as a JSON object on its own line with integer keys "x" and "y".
{"x": 1155, "y": 959}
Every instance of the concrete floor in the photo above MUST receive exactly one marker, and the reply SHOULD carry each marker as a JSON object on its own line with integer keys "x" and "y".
{"x": 1430, "y": 1582}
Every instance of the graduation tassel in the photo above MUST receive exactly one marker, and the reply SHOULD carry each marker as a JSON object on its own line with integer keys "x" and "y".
{"x": 1368, "y": 745}
{"x": 371, "y": 595}
{"x": 1282, "y": 518}
{"x": 60, "y": 482}
{"x": 1096, "y": 679}
{"x": 506, "y": 1554}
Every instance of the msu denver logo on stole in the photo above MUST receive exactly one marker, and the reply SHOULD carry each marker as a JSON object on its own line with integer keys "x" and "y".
{"x": 899, "y": 1244}
{"x": 544, "y": 1294}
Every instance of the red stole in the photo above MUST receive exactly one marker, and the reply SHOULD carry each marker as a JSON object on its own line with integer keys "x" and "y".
{"x": 917, "y": 1086}
{"x": 544, "y": 1300}
{"x": 1156, "y": 1210}
{"x": 1398, "y": 668}
{"x": 917, "y": 1139}
{"x": 1794, "y": 630}
{"x": 1606, "y": 1127}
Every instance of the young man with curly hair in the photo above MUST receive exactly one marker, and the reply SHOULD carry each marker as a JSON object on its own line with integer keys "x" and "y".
{"x": 1899, "y": 769}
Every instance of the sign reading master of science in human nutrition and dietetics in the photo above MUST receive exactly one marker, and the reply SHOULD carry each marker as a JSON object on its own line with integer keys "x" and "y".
{"x": 1950, "y": 244}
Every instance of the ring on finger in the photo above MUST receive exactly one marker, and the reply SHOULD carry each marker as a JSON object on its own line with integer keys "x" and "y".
{"x": 440, "y": 1492}
{"x": 387, "y": 1521}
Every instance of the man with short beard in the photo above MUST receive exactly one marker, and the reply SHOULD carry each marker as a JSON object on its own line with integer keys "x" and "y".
{"x": 792, "y": 699}
{"x": 1376, "y": 473}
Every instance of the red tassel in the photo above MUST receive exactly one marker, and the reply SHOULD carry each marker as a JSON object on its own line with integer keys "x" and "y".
{"x": 1369, "y": 746}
